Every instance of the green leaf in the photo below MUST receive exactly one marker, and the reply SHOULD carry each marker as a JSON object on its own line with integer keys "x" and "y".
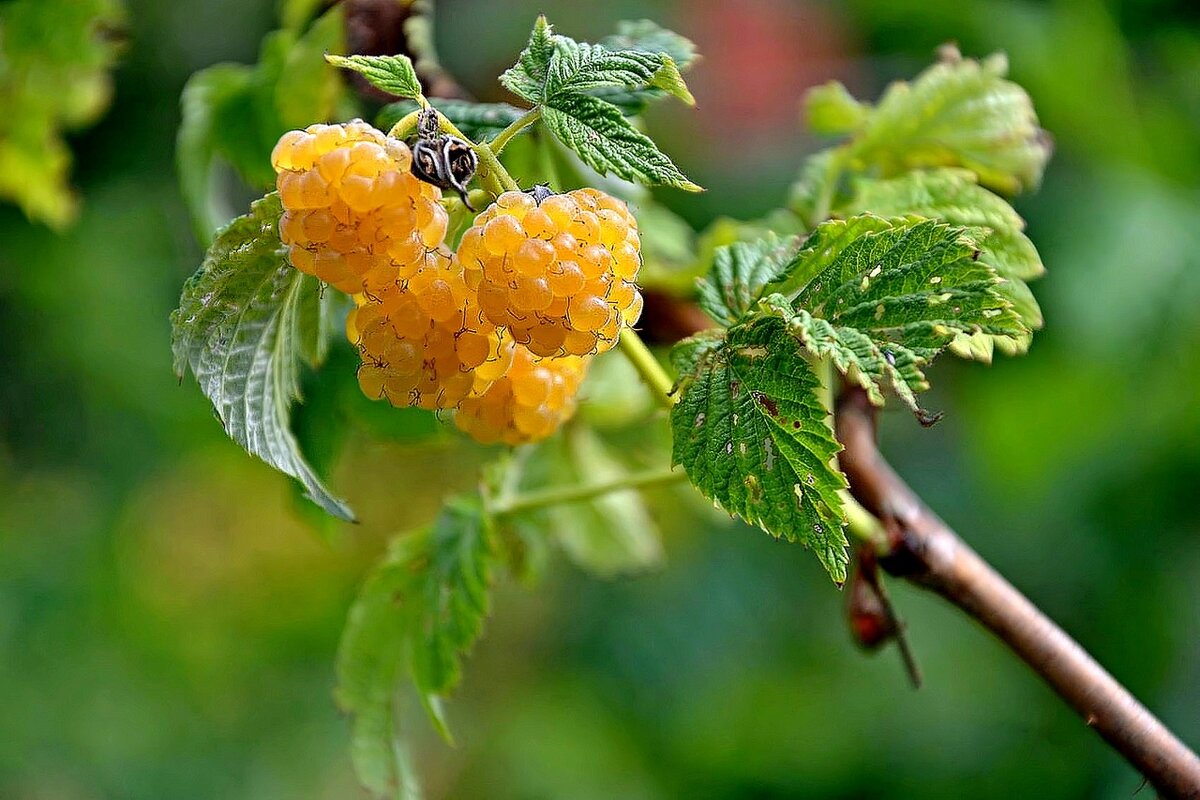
{"x": 751, "y": 432}
{"x": 601, "y": 136}
{"x": 648, "y": 37}
{"x": 306, "y": 86}
{"x": 908, "y": 280}
{"x": 610, "y": 535}
{"x": 625, "y": 69}
{"x": 238, "y": 112}
{"x": 295, "y": 14}
{"x": 954, "y": 196}
{"x": 391, "y": 74}
{"x": 873, "y": 364}
{"x": 55, "y": 58}
{"x": 243, "y": 327}
{"x": 832, "y": 111}
{"x": 577, "y": 67}
{"x": 527, "y": 77}
{"x": 738, "y": 275}
{"x": 479, "y": 121}
{"x": 957, "y": 113}
{"x": 421, "y": 607}
{"x": 195, "y": 149}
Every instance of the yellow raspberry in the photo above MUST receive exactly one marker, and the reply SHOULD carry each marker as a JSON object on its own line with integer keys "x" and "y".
{"x": 354, "y": 215}
{"x": 530, "y": 402}
{"x": 560, "y": 274}
{"x": 424, "y": 341}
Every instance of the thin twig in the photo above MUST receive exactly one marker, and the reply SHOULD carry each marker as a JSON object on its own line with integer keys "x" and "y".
{"x": 924, "y": 550}
{"x": 559, "y": 495}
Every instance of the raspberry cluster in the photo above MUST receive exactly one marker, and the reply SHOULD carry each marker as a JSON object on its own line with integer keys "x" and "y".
{"x": 535, "y": 396}
{"x": 504, "y": 329}
{"x": 559, "y": 274}
{"x": 423, "y": 340}
{"x": 355, "y": 216}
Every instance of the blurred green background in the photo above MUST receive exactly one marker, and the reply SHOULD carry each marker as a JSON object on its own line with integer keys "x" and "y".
{"x": 169, "y": 613}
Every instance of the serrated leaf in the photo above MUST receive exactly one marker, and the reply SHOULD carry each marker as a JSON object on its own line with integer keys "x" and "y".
{"x": 916, "y": 282}
{"x": 831, "y": 110}
{"x": 648, "y": 36}
{"x": 874, "y": 364}
{"x": 527, "y": 77}
{"x": 239, "y": 329}
{"x": 738, "y": 275}
{"x": 957, "y": 113}
{"x": 420, "y": 609}
{"x": 392, "y": 74}
{"x": 751, "y": 432}
{"x": 601, "y": 136}
{"x": 954, "y": 196}
{"x": 577, "y": 67}
{"x": 609, "y": 535}
{"x": 55, "y": 58}
{"x": 478, "y": 121}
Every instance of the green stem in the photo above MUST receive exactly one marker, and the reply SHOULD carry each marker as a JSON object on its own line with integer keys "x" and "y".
{"x": 405, "y": 126}
{"x": 577, "y": 494}
{"x": 647, "y": 366}
{"x": 521, "y": 123}
{"x": 493, "y": 175}
{"x": 862, "y": 524}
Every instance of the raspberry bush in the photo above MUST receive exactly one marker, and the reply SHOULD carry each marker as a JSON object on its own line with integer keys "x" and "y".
{"x": 898, "y": 244}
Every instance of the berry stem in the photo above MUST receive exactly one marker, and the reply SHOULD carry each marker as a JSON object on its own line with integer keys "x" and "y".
{"x": 487, "y": 158}
{"x": 521, "y": 123}
{"x": 647, "y": 366}
{"x": 577, "y": 494}
{"x": 493, "y": 175}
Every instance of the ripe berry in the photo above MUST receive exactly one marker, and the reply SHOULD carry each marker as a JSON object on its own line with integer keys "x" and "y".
{"x": 424, "y": 342}
{"x": 558, "y": 274}
{"x": 354, "y": 215}
{"x": 528, "y": 403}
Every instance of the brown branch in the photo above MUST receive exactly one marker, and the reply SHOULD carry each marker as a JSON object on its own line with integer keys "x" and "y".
{"x": 924, "y": 550}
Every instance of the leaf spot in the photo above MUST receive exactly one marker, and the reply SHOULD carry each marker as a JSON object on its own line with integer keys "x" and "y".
{"x": 766, "y": 402}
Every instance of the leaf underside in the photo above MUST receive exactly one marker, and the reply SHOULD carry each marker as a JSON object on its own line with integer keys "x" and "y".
{"x": 421, "y": 608}
{"x": 240, "y": 328}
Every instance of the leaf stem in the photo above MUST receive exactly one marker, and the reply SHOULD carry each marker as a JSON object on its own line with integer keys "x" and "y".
{"x": 405, "y": 126}
{"x": 505, "y": 136}
{"x": 647, "y": 366}
{"x": 559, "y": 495}
{"x": 863, "y": 525}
